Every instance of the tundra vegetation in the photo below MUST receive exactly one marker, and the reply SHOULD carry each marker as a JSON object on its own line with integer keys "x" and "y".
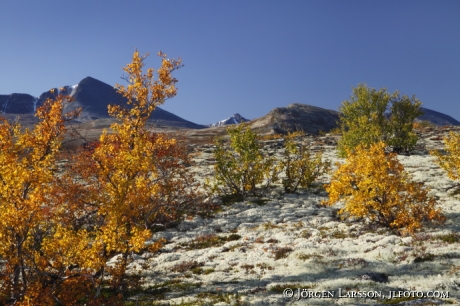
{"x": 68, "y": 232}
{"x": 364, "y": 119}
{"x": 242, "y": 166}
{"x": 424, "y": 124}
{"x": 300, "y": 168}
{"x": 71, "y": 223}
{"x": 374, "y": 185}
{"x": 449, "y": 160}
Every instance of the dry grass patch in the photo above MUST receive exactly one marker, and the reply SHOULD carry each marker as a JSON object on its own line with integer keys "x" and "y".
{"x": 208, "y": 241}
{"x": 304, "y": 257}
{"x": 269, "y": 225}
{"x": 280, "y": 253}
{"x": 448, "y": 238}
{"x": 186, "y": 266}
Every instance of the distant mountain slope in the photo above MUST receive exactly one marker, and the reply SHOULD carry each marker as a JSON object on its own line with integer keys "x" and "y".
{"x": 17, "y": 103}
{"x": 296, "y": 117}
{"x": 437, "y": 118}
{"x": 93, "y": 96}
{"x": 299, "y": 117}
{"x": 235, "y": 119}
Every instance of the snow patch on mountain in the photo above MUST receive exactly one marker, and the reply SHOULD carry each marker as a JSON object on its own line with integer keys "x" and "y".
{"x": 68, "y": 90}
{"x": 74, "y": 89}
{"x": 235, "y": 119}
{"x": 35, "y": 104}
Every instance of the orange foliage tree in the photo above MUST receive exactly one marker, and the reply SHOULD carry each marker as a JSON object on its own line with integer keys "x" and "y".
{"x": 29, "y": 218}
{"x": 374, "y": 185}
{"x": 69, "y": 231}
{"x": 133, "y": 180}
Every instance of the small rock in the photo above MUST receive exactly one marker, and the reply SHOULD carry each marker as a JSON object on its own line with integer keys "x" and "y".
{"x": 374, "y": 276}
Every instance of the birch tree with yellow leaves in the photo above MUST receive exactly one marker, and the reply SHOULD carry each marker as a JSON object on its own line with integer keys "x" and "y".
{"x": 373, "y": 184}
{"x": 29, "y": 221}
{"x": 69, "y": 228}
{"x": 133, "y": 180}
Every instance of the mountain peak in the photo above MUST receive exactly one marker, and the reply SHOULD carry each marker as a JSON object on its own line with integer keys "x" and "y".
{"x": 93, "y": 96}
{"x": 235, "y": 119}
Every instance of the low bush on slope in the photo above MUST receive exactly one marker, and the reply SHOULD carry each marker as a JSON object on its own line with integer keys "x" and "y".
{"x": 373, "y": 184}
{"x": 364, "y": 119}
{"x": 242, "y": 166}
{"x": 450, "y": 161}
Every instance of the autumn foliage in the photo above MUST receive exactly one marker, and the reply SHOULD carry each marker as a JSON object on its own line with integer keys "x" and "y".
{"x": 450, "y": 160}
{"x": 27, "y": 172}
{"x": 373, "y": 184}
{"x": 69, "y": 227}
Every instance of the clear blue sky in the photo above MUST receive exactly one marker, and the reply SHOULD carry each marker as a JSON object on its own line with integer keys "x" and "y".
{"x": 240, "y": 56}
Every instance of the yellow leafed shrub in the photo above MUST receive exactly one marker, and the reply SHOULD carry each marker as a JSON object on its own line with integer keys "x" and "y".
{"x": 373, "y": 184}
{"x": 34, "y": 248}
{"x": 450, "y": 161}
{"x": 132, "y": 180}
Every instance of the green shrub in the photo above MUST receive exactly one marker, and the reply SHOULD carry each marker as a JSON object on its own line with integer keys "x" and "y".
{"x": 403, "y": 112}
{"x": 363, "y": 119}
{"x": 300, "y": 169}
{"x": 241, "y": 165}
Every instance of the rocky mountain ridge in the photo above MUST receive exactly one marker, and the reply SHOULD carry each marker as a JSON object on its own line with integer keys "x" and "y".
{"x": 296, "y": 117}
{"x": 437, "y": 118}
{"x": 17, "y": 103}
{"x": 93, "y": 96}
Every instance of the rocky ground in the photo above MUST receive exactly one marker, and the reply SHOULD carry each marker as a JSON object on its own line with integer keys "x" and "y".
{"x": 256, "y": 251}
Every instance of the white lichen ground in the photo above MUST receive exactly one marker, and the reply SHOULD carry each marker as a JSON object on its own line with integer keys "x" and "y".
{"x": 316, "y": 250}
